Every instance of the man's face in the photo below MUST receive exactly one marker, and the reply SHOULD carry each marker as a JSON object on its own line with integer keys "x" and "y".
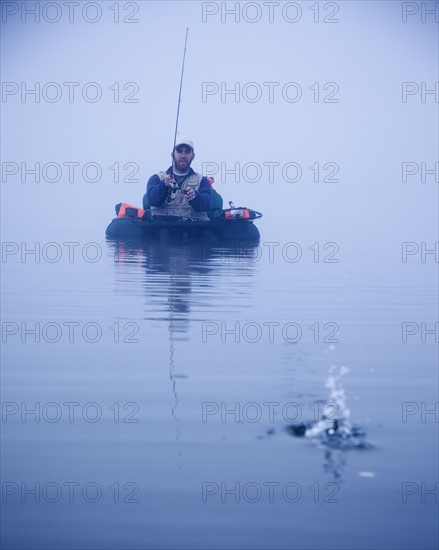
{"x": 183, "y": 156}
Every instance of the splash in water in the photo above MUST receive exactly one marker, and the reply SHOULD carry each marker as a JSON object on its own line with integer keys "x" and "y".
{"x": 334, "y": 428}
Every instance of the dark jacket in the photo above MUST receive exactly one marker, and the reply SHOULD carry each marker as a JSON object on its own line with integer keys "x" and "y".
{"x": 157, "y": 192}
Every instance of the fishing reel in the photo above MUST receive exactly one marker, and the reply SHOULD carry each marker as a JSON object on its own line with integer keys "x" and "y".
{"x": 172, "y": 189}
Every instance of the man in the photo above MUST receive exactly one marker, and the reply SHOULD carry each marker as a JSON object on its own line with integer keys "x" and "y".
{"x": 180, "y": 192}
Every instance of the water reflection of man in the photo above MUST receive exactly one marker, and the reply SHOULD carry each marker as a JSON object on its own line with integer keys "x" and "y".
{"x": 180, "y": 191}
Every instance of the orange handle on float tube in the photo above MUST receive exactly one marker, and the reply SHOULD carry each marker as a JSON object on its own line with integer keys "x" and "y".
{"x": 128, "y": 211}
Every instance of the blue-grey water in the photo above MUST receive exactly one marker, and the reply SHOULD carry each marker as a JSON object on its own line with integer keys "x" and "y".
{"x": 184, "y": 342}
{"x": 181, "y": 396}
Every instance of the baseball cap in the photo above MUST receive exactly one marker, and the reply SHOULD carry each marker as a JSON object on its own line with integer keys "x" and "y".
{"x": 183, "y": 140}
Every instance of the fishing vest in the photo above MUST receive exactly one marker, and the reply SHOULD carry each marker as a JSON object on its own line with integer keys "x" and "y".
{"x": 176, "y": 203}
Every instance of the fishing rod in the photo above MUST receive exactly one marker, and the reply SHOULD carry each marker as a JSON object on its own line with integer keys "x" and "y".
{"x": 181, "y": 85}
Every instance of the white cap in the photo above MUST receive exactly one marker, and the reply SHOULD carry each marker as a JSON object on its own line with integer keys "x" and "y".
{"x": 183, "y": 140}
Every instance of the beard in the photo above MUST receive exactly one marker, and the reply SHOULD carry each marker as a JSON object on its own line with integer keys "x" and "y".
{"x": 182, "y": 166}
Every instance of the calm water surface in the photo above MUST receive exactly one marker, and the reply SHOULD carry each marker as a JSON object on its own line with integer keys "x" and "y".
{"x": 166, "y": 375}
